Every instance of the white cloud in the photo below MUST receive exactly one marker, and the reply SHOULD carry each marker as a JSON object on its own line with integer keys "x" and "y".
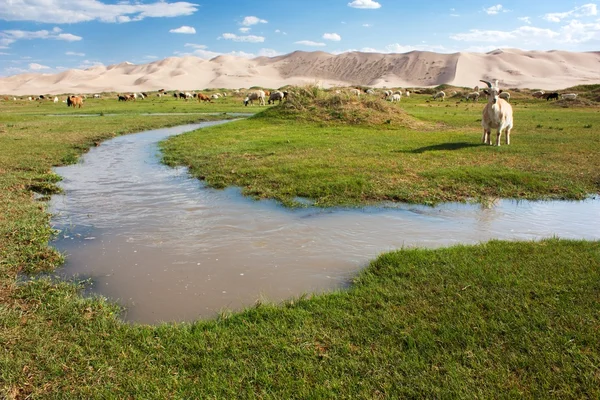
{"x": 72, "y": 53}
{"x": 10, "y": 36}
{"x": 577, "y": 32}
{"x": 205, "y": 54}
{"x": 4, "y": 54}
{"x": 189, "y": 30}
{"x": 493, "y": 10}
{"x": 369, "y": 4}
{"x": 367, "y": 25}
{"x": 74, "y": 11}
{"x": 252, "y": 20}
{"x": 196, "y": 46}
{"x": 524, "y": 32}
{"x": 527, "y": 20}
{"x": 244, "y": 30}
{"x": 150, "y": 57}
{"x": 398, "y": 48}
{"x": 68, "y": 37}
{"x": 37, "y": 67}
{"x": 247, "y": 38}
{"x": 332, "y": 36}
{"x": 586, "y": 10}
{"x": 455, "y": 15}
{"x": 310, "y": 43}
{"x": 85, "y": 64}
{"x": 268, "y": 53}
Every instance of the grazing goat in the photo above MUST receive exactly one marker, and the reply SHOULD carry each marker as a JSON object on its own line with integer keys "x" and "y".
{"x": 355, "y": 92}
{"x": 276, "y": 96}
{"x": 407, "y": 93}
{"x": 472, "y": 96}
{"x": 96, "y": 96}
{"x": 439, "y": 95}
{"x": 55, "y": 99}
{"x": 569, "y": 96}
{"x": 551, "y": 96}
{"x": 395, "y": 97}
{"x": 497, "y": 114}
{"x": 256, "y": 95}
{"x": 538, "y": 94}
{"x": 122, "y": 98}
{"x": 505, "y": 96}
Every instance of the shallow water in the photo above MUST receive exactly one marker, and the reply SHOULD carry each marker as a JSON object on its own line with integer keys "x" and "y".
{"x": 169, "y": 249}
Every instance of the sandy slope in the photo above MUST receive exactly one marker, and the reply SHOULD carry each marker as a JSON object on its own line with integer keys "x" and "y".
{"x": 514, "y": 68}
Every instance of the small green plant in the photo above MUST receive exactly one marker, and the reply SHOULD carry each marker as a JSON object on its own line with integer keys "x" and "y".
{"x": 539, "y": 126}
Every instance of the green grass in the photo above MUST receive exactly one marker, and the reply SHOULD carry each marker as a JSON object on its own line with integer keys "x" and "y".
{"x": 496, "y": 320}
{"x": 428, "y": 153}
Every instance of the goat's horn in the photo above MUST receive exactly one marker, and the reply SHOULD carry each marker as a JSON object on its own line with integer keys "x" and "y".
{"x": 487, "y": 83}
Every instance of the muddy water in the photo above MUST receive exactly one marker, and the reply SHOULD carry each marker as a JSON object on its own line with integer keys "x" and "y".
{"x": 169, "y": 249}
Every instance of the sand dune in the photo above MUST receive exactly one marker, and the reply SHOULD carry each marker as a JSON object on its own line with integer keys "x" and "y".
{"x": 512, "y": 67}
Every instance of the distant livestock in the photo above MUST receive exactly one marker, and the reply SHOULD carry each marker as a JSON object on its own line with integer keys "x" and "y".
{"x": 55, "y": 99}
{"x": 75, "y": 101}
{"x": 203, "y": 97}
{"x": 439, "y": 95}
{"x": 472, "y": 96}
{"x": 497, "y": 114}
{"x": 96, "y": 96}
{"x": 255, "y": 95}
{"x": 122, "y": 98}
{"x": 276, "y": 96}
{"x": 505, "y": 96}
{"x": 538, "y": 94}
{"x": 355, "y": 92}
{"x": 395, "y": 98}
{"x": 551, "y": 96}
{"x": 569, "y": 96}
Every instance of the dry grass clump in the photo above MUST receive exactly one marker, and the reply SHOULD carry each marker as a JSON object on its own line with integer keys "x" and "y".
{"x": 313, "y": 104}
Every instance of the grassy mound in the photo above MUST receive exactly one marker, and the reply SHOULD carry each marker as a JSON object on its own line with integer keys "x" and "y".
{"x": 312, "y": 104}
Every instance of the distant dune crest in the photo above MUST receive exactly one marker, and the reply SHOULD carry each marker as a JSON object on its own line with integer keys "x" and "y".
{"x": 512, "y": 67}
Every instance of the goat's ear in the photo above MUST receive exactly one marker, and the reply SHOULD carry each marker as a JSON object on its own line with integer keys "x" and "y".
{"x": 500, "y": 91}
{"x": 486, "y": 91}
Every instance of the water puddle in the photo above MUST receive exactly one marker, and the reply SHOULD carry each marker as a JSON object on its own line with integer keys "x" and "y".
{"x": 169, "y": 249}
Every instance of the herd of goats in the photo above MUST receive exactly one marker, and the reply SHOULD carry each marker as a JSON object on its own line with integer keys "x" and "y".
{"x": 497, "y": 113}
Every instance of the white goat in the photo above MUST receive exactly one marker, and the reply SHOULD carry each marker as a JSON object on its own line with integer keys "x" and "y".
{"x": 439, "y": 95}
{"x": 256, "y": 95}
{"x": 472, "y": 96}
{"x": 395, "y": 97}
{"x": 407, "y": 93}
{"x": 497, "y": 114}
{"x": 569, "y": 96}
{"x": 355, "y": 92}
{"x": 55, "y": 99}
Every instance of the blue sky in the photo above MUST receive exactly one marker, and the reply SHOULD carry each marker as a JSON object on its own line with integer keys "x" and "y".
{"x": 50, "y": 36}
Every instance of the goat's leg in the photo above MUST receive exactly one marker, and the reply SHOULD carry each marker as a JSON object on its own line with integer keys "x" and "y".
{"x": 498, "y": 134}
{"x": 508, "y": 136}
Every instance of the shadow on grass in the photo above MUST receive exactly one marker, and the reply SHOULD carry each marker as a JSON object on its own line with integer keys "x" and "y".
{"x": 438, "y": 147}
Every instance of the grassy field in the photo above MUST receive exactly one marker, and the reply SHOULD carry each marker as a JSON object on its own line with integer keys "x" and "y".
{"x": 429, "y": 153}
{"x": 496, "y": 320}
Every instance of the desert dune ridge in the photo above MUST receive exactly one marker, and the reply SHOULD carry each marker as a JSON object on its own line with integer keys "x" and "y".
{"x": 549, "y": 70}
